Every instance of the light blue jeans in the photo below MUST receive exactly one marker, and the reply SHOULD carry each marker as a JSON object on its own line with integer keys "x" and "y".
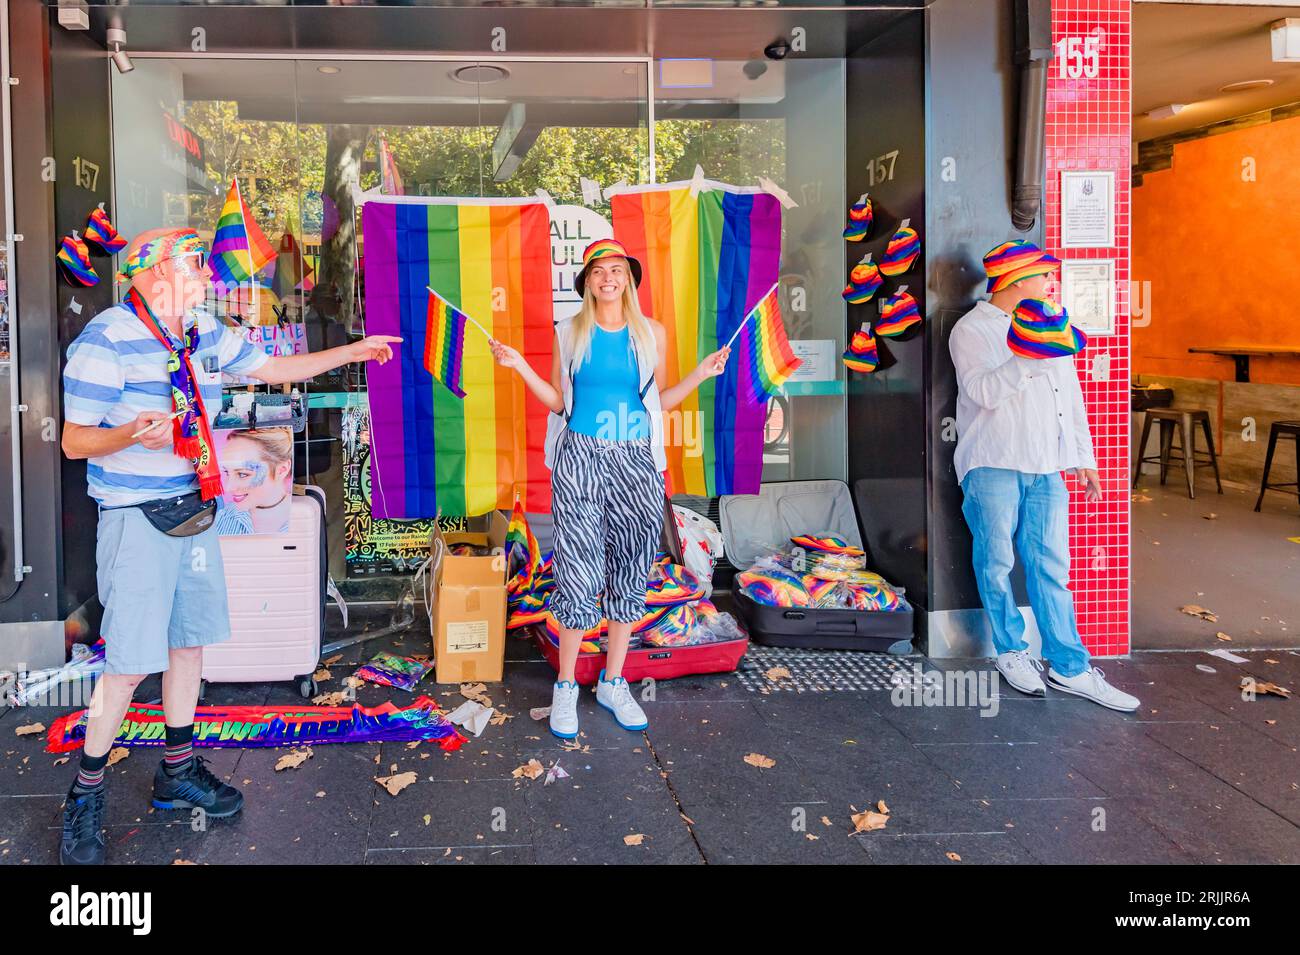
{"x": 1033, "y": 510}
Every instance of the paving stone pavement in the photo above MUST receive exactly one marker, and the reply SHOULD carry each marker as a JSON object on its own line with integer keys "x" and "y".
{"x": 1196, "y": 775}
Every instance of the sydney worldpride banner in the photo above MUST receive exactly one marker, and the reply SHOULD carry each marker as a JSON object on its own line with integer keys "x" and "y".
{"x": 266, "y": 726}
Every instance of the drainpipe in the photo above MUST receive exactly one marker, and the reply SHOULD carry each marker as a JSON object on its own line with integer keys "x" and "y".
{"x": 1033, "y": 20}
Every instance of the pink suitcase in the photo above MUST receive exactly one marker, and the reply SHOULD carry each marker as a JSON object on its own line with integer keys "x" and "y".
{"x": 276, "y": 586}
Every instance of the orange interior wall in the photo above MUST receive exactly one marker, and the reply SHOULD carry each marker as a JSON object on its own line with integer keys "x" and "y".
{"x": 1221, "y": 254}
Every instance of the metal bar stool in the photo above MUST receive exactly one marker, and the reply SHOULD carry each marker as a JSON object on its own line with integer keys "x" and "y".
{"x": 1280, "y": 429}
{"x": 1184, "y": 421}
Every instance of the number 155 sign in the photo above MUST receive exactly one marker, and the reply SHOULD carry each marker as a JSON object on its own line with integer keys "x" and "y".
{"x": 1078, "y": 57}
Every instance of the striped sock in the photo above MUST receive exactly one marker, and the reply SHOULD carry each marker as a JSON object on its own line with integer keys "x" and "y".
{"x": 90, "y": 774}
{"x": 179, "y": 752}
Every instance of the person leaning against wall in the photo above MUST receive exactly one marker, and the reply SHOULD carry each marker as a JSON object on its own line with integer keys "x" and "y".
{"x": 1020, "y": 423}
{"x": 140, "y": 391}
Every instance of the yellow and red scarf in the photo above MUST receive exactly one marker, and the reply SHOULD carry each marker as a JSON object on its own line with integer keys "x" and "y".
{"x": 191, "y": 431}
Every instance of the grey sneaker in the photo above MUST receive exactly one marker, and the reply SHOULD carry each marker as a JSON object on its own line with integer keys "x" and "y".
{"x": 1021, "y": 671}
{"x": 616, "y": 696}
{"x": 564, "y": 709}
{"x": 1091, "y": 685}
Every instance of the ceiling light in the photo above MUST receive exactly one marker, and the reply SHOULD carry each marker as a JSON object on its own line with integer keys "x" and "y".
{"x": 116, "y": 40}
{"x": 1286, "y": 40}
{"x": 328, "y": 70}
{"x": 1166, "y": 112}
{"x": 1244, "y": 85}
{"x": 478, "y": 74}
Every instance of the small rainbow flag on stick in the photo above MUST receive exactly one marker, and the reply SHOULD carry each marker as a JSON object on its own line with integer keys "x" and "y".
{"x": 444, "y": 342}
{"x": 239, "y": 248}
{"x": 764, "y": 348}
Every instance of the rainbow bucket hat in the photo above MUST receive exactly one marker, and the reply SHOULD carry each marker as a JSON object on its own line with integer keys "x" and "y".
{"x": 864, "y": 280}
{"x": 860, "y": 218}
{"x": 898, "y": 313}
{"x": 604, "y": 249}
{"x": 903, "y": 248}
{"x": 74, "y": 256}
{"x": 1041, "y": 329}
{"x": 1013, "y": 261}
{"x": 862, "y": 354}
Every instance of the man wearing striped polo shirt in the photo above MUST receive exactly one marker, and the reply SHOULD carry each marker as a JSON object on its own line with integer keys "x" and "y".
{"x": 141, "y": 388}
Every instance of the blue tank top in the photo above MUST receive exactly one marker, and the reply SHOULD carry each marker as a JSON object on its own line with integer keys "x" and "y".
{"x": 606, "y": 399}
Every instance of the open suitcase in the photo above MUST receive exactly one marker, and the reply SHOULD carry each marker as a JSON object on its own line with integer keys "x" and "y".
{"x": 755, "y": 525}
{"x": 659, "y": 663}
{"x": 276, "y": 587}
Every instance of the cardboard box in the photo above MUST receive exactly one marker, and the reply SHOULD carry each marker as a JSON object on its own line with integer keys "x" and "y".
{"x": 468, "y": 625}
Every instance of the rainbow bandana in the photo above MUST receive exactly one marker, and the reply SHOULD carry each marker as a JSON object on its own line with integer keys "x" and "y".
{"x": 604, "y": 249}
{"x": 864, "y": 280}
{"x": 1012, "y": 261}
{"x": 861, "y": 354}
{"x": 898, "y": 313}
{"x": 191, "y": 431}
{"x": 902, "y": 251}
{"x": 179, "y": 244}
{"x": 1042, "y": 329}
{"x": 860, "y": 217}
{"x": 75, "y": 259}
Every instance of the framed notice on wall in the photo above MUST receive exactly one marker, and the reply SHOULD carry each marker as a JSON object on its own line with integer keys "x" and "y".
{"x": 1087, "y": 209}
{"x": 1088, "y": 294}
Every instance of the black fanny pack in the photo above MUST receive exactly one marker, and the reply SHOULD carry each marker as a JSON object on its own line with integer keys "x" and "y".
{"x": 182, "y": 516}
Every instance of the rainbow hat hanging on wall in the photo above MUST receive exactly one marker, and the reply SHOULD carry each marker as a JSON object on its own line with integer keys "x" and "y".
{"x": 100, "y": 231}
{"x": 862, "y": 355}
{"x": 75, "y": 259}
{"x": 1041, "y": 329}
{"x": 898, "y": 313}
{"x": 860, "y": 218}
{"x": 864, "y": 280}
{"x": 903, "y": 248}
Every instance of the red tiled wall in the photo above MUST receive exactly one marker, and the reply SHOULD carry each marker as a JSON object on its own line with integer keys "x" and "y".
{"x": 1088, "y": 127}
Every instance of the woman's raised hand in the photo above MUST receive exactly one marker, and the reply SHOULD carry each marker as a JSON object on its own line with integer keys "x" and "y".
{"x": 506, "y": 356}
{"x": 716, "y": 363}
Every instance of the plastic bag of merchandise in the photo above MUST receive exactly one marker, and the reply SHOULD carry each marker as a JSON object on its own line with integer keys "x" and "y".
{"x": 701, "y": 544}
{"x": 770, "y": 581}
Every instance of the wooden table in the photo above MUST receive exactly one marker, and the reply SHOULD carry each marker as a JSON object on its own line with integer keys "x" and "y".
{"x": 1241, "y": 354}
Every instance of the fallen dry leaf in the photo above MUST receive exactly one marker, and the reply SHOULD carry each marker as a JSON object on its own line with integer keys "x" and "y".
{"x": 333, "y": 660}
{"x": 337, "y": 698}
{"x": 1210, "y": 516}
{"x": 540, "y": 712}
{"x": 1192, "y": 610}
{"x": 532, "y": 769}
{"x": 759, "y": 760}
{"x": 499, "y": 718}
{"x": 183, "y": 862}
{"x": 353, "y": 682}
{"x": 293, "y": 759}
{"x": 826, "y": 821}
{"x": 31, "y": 729}
{"x": 881, "y": 807}
{"x": 869, "y": 820}
{"x": 953, "y": 857}
{"x": 396, "y": 783}
{"x": 1264, "y": 686}
{"x": 476, "y": 692}
{"x": 117, "y": 754}
{"x": 1223, "y": 636}
{"x": 636, "y": 839}
{"x": 777, "y": 673}
{"x": 810, "y": 837}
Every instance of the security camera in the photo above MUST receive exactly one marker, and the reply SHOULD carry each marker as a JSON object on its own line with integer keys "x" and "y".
{"x": 777, "y": 50}
{"x": 115, "y": 38}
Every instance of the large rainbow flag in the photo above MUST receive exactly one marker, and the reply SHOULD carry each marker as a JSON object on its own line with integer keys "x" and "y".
{"x": 432, "y": 451}
{"x": 708, "y": 260}
{"x": 239, "y": 247}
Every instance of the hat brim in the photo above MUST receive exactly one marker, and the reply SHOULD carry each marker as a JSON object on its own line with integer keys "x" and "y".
{"x": 580, "y": 280}
{"x": 1040, "y": 266}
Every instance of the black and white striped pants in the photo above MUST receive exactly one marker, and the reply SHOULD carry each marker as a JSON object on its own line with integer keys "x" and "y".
{"x": 608, "y": 503}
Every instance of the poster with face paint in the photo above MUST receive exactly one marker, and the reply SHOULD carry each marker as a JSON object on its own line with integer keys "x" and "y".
{"x": 256, "y": 480}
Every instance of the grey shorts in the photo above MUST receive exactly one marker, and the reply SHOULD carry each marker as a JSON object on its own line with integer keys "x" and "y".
{"x": 159, "y": 592}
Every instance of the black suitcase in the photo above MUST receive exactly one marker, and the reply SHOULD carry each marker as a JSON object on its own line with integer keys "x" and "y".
{"x": 754, "y": 525}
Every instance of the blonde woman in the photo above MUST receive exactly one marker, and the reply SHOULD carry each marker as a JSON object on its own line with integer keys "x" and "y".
{"x": 256, "y": 472}
{"x": 604, "y": 446}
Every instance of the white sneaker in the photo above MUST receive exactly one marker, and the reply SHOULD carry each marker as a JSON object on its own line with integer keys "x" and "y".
{"x": 1091, "y": 685}
{"x": 564, "y": 709}
{"x": 1021, "y": 671}
{"x": 616, "y": 696}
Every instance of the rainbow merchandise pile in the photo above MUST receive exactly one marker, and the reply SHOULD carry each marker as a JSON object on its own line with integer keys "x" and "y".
{"x": 820, "y": 572}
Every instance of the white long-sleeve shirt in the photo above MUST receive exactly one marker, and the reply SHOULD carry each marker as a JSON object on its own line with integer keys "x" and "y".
{"x": 1023, "y": 414}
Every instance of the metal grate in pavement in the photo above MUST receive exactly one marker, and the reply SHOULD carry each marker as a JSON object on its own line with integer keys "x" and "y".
{"x": 820, "y": 671}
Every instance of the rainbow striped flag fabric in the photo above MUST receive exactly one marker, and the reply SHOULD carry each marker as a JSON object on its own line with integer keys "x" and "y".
{"x": 444, "y": 343}
{"x": 763, "y": 346}
{"x": 430, "y": 450}
{"x": 708, "y": 258}
{"x": 239, "y": 248}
